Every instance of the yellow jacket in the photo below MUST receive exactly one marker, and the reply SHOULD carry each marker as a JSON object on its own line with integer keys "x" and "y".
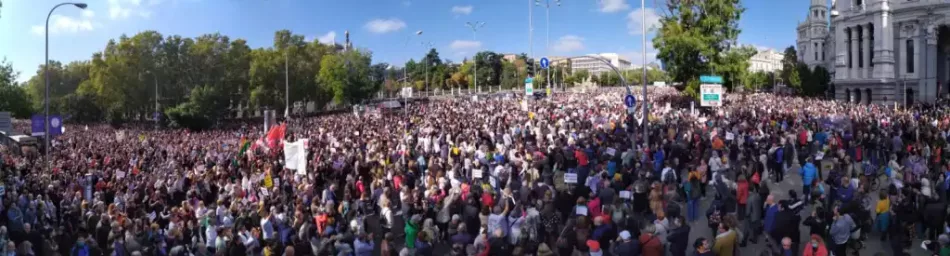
{"x": 883, "y": 206}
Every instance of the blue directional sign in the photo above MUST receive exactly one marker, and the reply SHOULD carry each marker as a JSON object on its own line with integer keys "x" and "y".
{"x": 544, "y": 62}
{"x": 630, "y": 101}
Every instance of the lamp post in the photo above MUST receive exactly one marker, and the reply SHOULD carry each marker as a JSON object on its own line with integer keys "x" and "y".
{"x": 643, "y": 46}
{"x": 428, "y": 46}
{"x": 547, "y": 37}
{"x": 155, "y": 115}
{"x": 531, "y": 37}
{"x": 46, "y": 81}
{"x": 474, "y": 27}
{"x": 286, "y": 84}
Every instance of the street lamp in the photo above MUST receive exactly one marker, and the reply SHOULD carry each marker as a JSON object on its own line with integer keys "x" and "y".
{"x": 405, "y": 73}
{"x": 474, "y": 27}
{"x": 46, "y": 81}
{"x": 547, "y": 44}
{"x": 428, "y": 46}
{"x": 643, "y": 46}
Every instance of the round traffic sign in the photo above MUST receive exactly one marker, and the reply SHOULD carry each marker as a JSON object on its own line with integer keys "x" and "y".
{"x": 630, "y": 101}
{"x": 544, "y": 62}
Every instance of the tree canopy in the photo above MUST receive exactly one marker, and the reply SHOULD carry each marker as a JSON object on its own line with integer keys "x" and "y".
{"x": 197, "y": 80}
{"x": 699, "y": 37}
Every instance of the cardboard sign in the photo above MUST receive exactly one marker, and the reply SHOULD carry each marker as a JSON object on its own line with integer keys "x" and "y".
{"x": 570, "y": 178}
{"x": 580, "y": 210}
{"x": 626, "y": 194}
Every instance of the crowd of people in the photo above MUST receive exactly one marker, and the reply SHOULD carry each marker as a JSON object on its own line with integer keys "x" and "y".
{"x": 571, "y": 174}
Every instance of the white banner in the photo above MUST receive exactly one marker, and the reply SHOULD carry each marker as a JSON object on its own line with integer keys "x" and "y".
{"x": 295, "y": 156}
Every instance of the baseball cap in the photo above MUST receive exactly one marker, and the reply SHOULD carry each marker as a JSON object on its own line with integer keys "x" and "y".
{"x": 625, "y": 235}
{"x": 593, "y": 245}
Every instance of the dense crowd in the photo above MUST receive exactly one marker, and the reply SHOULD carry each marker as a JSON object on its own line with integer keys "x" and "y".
{"x": 496, "y": 176}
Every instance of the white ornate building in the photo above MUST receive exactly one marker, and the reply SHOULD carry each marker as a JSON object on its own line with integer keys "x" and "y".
{"x": 881, "y": 51}
{"x": 767, "y": 60}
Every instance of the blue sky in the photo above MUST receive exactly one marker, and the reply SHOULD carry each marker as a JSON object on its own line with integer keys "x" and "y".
{"x": 382, "y": 26}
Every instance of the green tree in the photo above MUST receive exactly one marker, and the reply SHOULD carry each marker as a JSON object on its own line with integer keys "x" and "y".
{"x": 694, "y": 35}
{"x": 733, "y": 65}
{"x": 789, "y": 73}
{"x": 819, "y": 81}
{"x": 15, "y": 98}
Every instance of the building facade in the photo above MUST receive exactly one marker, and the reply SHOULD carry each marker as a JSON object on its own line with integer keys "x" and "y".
{"x": 766, "y": 61}
{"x": 595, "y": 66}
{"x": 883, "y": 51}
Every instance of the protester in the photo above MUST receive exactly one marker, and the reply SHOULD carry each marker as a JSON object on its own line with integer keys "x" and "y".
{"x": 490, "y": 176}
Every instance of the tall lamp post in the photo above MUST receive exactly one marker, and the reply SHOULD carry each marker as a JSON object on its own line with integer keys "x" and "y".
{"x": 405, "y": 73}
{"x": 474, "y": 26}
{"x": 46, "y": 81}
{"x": 547, "y": 36}
{"x": 643, "y": 46}
{"x": 429, "y": 47}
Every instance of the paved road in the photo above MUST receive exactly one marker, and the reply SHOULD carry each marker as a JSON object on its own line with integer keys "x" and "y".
{"x": 700, "y": 228}
{"x": 793, "y": 181}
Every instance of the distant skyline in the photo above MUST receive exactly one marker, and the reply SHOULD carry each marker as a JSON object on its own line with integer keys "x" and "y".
{"x": 382, "y": 26}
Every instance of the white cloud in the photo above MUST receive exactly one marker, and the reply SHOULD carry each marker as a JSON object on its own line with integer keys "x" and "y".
{"x": 613, "y": 5}
{"x": 462, "y": 10}
{"x": 381, "y": 26}
{"x": 88, "y": 14}
{"x": 635, "y": 20}
{"x": 122, "y": 9}
{"x": 327, "y": 38}
{"x": 460, "y": 45}
{"x": 568, "y": 43}
{"x": 63, "y": 24}
{"x": 636, "y": 56}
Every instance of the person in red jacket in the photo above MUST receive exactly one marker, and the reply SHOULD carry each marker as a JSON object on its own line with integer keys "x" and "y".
{"x": 742, "y": 195}
{"x": 816, "y": 247}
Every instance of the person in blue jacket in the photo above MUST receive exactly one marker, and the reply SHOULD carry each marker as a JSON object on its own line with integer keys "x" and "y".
{"x": 808, "y": 173}
{"x": 845, "y": 192}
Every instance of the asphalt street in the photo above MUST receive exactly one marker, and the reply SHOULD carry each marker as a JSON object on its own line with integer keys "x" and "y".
{"x": 699, "y": 228}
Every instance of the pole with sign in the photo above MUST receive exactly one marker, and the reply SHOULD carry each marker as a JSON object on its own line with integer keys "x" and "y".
{"x": 545, "y": 63}
{"x": 710, "y": 91}
{"x": 630, "y": 102}
{"x": 528, "y": 86}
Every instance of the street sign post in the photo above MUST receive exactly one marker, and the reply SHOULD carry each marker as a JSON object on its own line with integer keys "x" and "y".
{"x": 630, "y": 102}
{"x": 545, "y": 62}
{"x": 710, "y": 91}
{"x": 528, "y": 86}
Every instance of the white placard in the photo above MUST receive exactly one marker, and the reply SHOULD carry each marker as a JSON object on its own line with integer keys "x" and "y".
{"x": 626, "y": 194}
{"x": 477, "y": 173}
{"x": 730, "y": 136}
{"x": 119, "y": 175}
{"x": 570, "y": 178}
{"x": 580, "y": 210}
{"x": 295, "y": 156}
{"x": 611, "y": 151}
{"x": 819, "y": 156}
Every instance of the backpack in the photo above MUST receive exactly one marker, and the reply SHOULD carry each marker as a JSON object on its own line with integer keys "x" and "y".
{"x": 715, "y": 217}
{"x": 669, "y": 177}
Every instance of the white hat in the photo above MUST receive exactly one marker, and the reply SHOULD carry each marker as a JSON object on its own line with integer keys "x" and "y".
{"x": 625, "y": 235}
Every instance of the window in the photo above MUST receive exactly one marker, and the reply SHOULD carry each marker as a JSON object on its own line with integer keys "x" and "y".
{"x": 858, "y": 2}
{"x": 823, "y": 51}
{"x": 848, "y": 41}
{"x": 860, "y": 48}
{"x": 816, "y": 51}
{"x": 816, "y": 13}
{"x": 870, "y": 45}
{"x": 909, "y": 57}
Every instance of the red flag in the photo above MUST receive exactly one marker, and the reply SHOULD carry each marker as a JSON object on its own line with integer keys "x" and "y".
{"x": 275, "y": 135}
